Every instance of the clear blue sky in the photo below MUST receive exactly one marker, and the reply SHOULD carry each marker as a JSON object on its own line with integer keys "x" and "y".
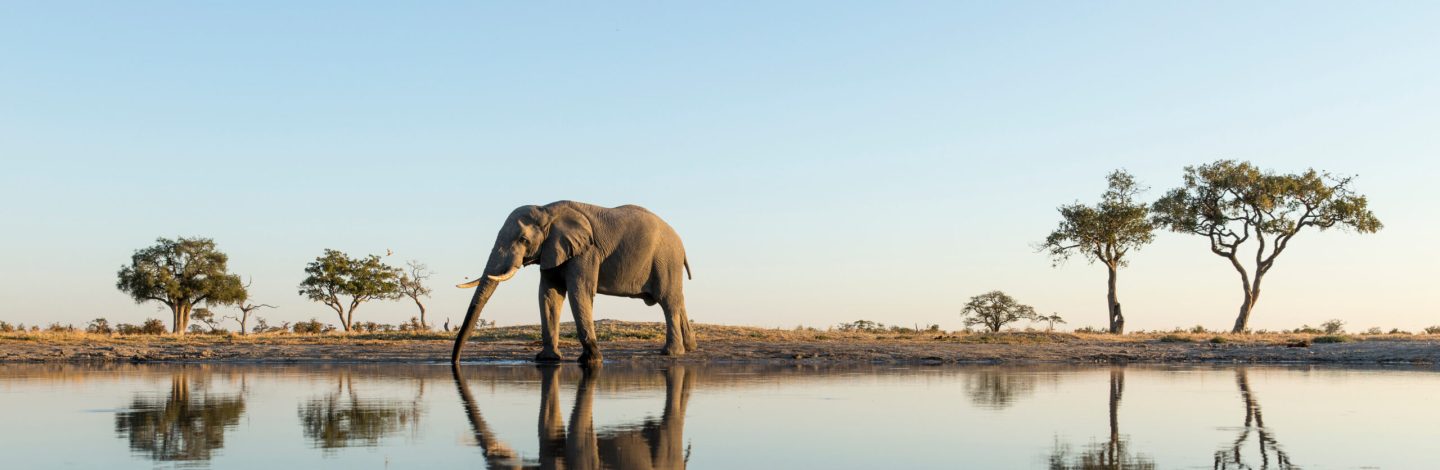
{"x": 824, "y": 161}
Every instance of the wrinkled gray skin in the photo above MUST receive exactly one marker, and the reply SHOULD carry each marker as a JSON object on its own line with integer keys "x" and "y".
{"x": 583, "y": 250}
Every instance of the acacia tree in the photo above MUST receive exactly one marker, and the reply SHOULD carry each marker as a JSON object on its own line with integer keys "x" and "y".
{"x": 180, "y": 274}
{"x": 1105, "y": 232}
{"x": 1232, "y": 203}
{"x": 335, "y": 274}
{"x": 412, "y": 285}
{"x": 994, "y": 310}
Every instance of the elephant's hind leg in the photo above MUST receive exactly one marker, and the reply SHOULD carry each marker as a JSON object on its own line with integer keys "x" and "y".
{"x": 552, "y": 299}
{"x": 582, "y": 299}
{"x": 675, "y": 326}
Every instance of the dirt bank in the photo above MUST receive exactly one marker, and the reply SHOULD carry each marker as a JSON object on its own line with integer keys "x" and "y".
{"x": 639, "y": 342}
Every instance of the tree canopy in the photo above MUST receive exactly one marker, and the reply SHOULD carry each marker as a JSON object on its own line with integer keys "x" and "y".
{"x": 335, "y": 274}
{"x": 180, "y": 274}
{"x": 1105, "y": 232}
{"x": 1232, "y": 203}
{"x": 994, "y": 310}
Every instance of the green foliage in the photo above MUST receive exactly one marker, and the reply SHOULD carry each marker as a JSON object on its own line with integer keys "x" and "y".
{"x": 1333, "y": 339}
{"x": 1231, "y": 203}
{"x": 1333, "y": 326}
{"x": 1176, "y": 339}
{"x": 1432, "y": 330}
{"x": 180, "y": 273}
{"x": 1307, "y": 329}
{"x": 335, "y": 274}
{"x": 864, "y": 326}
{"x": 6, "y": 327}
{"x": 1107, "y": 231}
{"x": 312, "y": 327}
{"x": 58, "y": 328}
{"x": 99, "y": 326}
{"x": 1219, "y": 340}
{"x": 994, "y": 310}
{"x": 1374, "y": 330}
{"x": 152, "y": 326}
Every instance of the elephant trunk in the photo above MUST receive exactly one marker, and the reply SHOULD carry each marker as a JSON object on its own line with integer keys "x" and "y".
{"x": 477, "y": 303}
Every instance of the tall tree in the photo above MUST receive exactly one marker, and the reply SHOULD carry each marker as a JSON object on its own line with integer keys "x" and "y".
{"x": 412, "y": 285}
{"x": 1105, "y": 232}
{"x": 180, "y": 274}
{"x": 994, "y": 310}
{"x": 335, "y": 274}
{"x": 1231, "y": 203}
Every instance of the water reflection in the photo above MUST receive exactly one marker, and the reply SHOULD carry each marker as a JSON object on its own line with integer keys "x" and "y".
{"x": 343, "y": 419}
{"x": 182, "y": 426}
{"x": 1268, "y": 447}
{"x": 652, "y": 443}
{"x": 1113, "y": 454}
{"x": 999, "y": 388}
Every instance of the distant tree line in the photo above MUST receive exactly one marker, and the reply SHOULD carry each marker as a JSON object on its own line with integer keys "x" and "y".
{"x": 190, "y": 277}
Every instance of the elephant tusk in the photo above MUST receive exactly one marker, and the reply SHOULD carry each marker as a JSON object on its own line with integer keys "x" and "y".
{"x": 468, "y": 285}
{"x": 503, "y": 277}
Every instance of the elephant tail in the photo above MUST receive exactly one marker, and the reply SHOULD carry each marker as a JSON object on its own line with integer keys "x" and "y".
{"x": 687, "y": 269}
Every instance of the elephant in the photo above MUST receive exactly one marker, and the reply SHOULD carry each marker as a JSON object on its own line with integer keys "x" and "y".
{"x": 583, "y": 250}
{"x": 652, "y": 443}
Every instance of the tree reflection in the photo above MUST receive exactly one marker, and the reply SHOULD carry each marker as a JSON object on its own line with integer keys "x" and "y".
{"x": 343, "y": 419}
{"x": 998, "y": 388}
{"x": 182, "y": 426}
{"x": 652, "y": 443}
{"x": 1270, "y": 451}
{"x": 1114, "y": 454}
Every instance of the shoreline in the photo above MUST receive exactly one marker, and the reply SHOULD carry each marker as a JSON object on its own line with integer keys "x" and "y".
{"x": 639, "y": 343}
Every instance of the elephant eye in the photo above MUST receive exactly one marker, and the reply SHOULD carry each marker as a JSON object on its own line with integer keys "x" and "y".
{"x": 524, "y": 240}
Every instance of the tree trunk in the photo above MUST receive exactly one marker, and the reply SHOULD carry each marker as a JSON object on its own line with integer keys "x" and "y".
{"x": 1117, "y": 320}
{"x": 423, "y": 323}
{"x": 1252, "y": 295}
{"x": 182, "y": 318}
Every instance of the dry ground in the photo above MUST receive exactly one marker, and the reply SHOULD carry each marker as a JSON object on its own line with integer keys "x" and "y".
{"x": 639, "y": 342}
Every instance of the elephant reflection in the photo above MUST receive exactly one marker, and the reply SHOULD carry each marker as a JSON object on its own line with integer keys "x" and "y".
{"x": 1254, "y": 425}
{"x": 651, "y": 444}
{"x": 343, "y": 419}
{"x": 1114, "y": 454}
{"x": 183, "y": 426}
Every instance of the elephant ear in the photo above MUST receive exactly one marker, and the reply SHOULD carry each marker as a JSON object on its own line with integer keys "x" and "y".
{"x": 570, "y": 235}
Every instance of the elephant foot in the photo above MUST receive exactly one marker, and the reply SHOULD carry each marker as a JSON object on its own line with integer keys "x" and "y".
{"x": 590, "y": 358}
{"x": 690, "y": 345}
{"x": 548, "y": 356}
{"x": 673, "y": 350}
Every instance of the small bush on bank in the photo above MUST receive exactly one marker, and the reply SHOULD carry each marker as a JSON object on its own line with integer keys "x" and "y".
{"x": 1219, "y": 340}
{"x": 1432, "y": 330}
{"x": 1176, "y": 339}
{"x": 6, "y": 327}
{"x": 1333, "y": 339}
{"x": 1307, "y": 330}
{"x": 151, "y": 326}
{"x": 312, "y": 327}
{"x": 1333, "y": 326}
{"x": 99, "y": 326}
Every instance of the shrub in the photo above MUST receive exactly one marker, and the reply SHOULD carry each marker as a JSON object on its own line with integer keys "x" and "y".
{"x": 311, "y": 327}
{"x": 99, "y": 326}
{"x": 1091, "y": 329}
{"x": 150, "y": 327}
{"x": 1307, "y": 329}
{"x": 6, "y": 327}
{"x": 862, "y": 326}
{"x": 58, "y": 328}
{"x": 1374, "y": 330}
{"x": 1333, "y": 326}
{"x": 1198, "y": 329}
{"x": 413, "y": 325}
{"x": 1219, "y": 340}
{"x": 1175, "y": 339}
{"x": 1333, "y": 339}
{"x": 1397, "y": 331}
{"x": 1429, "y": 330}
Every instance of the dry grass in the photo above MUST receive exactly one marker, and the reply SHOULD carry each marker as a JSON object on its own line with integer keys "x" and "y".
{"x": 618, "y": 331}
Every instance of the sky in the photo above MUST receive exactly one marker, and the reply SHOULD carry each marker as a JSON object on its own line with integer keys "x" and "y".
{"x": 823, "y": 161}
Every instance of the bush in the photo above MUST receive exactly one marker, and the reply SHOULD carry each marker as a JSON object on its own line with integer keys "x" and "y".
{"x": 1176, "y": 339}
{"x": 99, "y": 326}
{"x": 312, "y": 327}
{"x": 862, "y": 326}
{"x": 1397, "y": 331}
{"x": 1307, "y": 329}
{"x": 1333, "y": 339}
{"x": 1333, "y": 326}
{"x": 1198, "y": 329}
{"x": 413, "y": 325}
{"x": 1091, "y": 329}
{"x": 150, "y": 327}
{"x": 1429, "y": 330}
{"x": 6, "y": 327}
{"x": 1219, "y": 340}
{"x": 58, "y": 328}
{"x": 1374, "y": 330}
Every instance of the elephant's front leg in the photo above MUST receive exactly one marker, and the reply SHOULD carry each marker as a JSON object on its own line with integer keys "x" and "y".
{"x": 552, "y": 298}
{"x": 582, "y": 297}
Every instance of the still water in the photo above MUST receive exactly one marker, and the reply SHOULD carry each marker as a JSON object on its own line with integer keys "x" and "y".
{"x": 523, "y": 416}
